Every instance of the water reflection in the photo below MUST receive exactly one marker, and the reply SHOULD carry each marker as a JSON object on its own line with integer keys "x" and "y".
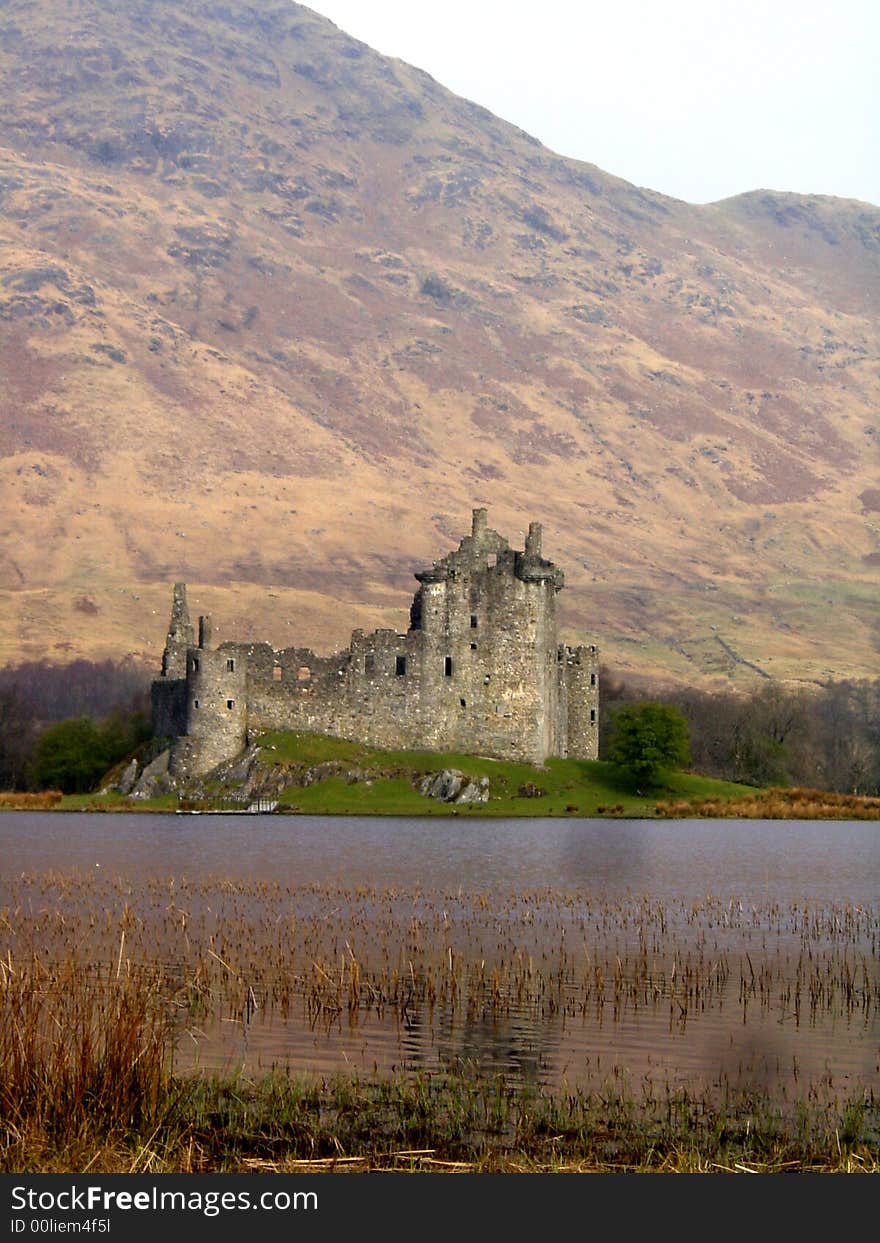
{"x": 551, "y": 952}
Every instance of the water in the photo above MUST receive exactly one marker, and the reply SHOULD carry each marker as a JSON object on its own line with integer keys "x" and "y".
{"x": 753, "y": 860}
{"x": 704, "y": 954}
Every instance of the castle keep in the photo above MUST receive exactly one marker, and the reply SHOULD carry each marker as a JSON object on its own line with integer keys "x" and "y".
{"x": 479, "y": 670}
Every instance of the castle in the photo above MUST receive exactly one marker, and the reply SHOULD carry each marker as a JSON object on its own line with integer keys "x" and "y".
{"x": 479, "y": 670}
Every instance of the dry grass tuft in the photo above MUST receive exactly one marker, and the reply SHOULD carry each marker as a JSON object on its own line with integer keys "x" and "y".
{"x": 16, "y": 800}
{"x": 82, "y": 1058}
{"x": 778, "y": 804}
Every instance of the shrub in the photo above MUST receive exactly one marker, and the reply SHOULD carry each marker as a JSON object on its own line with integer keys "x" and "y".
{"x": 647, "y": 738}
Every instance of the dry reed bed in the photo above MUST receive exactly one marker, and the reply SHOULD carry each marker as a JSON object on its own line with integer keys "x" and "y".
{"x": 20, "y": 801}
{"x": 256, "y": 951}
{"x": 792, "y": 803}
{"x": 101, "y": 978}
{"x": 85, "y": 1085}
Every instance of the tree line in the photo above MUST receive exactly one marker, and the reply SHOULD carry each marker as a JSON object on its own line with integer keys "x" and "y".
{"x": 63, "y": 726}
{"x": 826, "y": 737}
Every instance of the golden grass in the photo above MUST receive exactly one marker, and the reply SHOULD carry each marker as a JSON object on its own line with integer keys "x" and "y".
{"x": 82, "y": 1055}
{"x": 778, "y": 804}
{"x": 15, "y": 800}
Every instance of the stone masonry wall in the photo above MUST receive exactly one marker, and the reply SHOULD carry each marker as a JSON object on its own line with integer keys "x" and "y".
{"x": 168, "y": 703}
{"x": 216, "y": 716}
{"x": 580, "y": 676}
{"x": 479, "y": 670}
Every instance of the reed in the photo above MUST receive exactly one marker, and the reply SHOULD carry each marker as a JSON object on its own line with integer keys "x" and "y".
{"x": 778, "y": 804}
{"x": 17, "y": 800}
{"x": 115, "y": 999}
{"x": 83, "y": 1055}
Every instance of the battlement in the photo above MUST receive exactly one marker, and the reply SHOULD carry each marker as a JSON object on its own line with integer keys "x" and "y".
{"x": 478, "y": 670}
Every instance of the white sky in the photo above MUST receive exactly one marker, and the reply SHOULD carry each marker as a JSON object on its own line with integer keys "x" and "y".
{"x": 699, "y": 99}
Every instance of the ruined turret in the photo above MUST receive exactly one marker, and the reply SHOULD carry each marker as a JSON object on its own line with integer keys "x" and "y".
{"x": 531, "y": 567}
{"x": 180, "y": 636}
{"x": 168, "y": 692}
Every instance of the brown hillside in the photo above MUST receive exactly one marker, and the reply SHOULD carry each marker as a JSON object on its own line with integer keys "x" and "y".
{"x": 277, "y": 311}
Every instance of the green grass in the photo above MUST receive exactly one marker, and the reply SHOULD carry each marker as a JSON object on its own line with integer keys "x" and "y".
{"x": 570, "y": 787}
{"x": 441, "y": 1123}
{"x": 385, "y": 784}
{"x": 115, "y": 802}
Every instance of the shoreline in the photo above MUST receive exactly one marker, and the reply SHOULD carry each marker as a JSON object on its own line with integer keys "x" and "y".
{"x": 358, "y": 814}
{"x": 447, "y": 1123}
{"x": 296, "y": 773}
{"x": 477, "y": 813}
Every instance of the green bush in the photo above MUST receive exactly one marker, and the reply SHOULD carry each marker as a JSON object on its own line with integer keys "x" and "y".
{"x": 74, "y": 755}
{"x": 647, "y": 738}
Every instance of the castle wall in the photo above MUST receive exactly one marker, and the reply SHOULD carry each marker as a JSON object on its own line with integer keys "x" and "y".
{"x": 479, "y": 670}
{"x": 180, "y": 635}
{"x": 363, "y": 694}
{"x": 300, "y": 691}
{"x": 168, "y": 704}
{"x": 580, "y": 668}
{"x": 168, "y": 693}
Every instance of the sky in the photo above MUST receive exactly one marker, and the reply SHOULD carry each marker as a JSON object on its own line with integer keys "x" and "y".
{"x": 699, "y": 99}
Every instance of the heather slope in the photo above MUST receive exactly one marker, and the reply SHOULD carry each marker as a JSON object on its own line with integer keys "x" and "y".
{"x": 276, "y": 311}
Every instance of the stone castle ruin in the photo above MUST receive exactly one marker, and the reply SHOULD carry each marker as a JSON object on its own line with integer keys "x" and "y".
{"x": 480, "y": 670}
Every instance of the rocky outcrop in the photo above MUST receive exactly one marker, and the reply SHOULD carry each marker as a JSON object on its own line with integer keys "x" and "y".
{"x": 126, "y": 782}
{"x": 452, "y": 786}
{"x": 155, "y": 780}
{"x": 251, "y": 780}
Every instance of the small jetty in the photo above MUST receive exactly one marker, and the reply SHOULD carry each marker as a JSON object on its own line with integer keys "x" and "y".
{"x": 259, "y": 807}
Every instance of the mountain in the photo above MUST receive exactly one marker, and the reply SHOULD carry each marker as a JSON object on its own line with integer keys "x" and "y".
{"x": 276, "y": 312}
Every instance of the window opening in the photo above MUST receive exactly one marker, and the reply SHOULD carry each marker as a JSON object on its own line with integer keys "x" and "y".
{"x": 195, "y": 664}
{"x": 276, "y": 673}
{"x": 463, "y": 702}
{"x": 195, "y": 703}
{"x": 303, "y": 673}
{"x": 400, "y": 666}
{"x": 369, "y": 663}
{"x": 592, "y": 679}
{"x": 473, "y": 621}
{"x": 473, "y": 647}
{"x": 592, "y": 716}
{"x": 447, "y": 667}
{"x": 230, "y": 665}
{"x": 230, "y": 704}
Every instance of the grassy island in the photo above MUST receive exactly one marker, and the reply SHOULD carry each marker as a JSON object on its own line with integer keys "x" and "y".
{"x": 311, "y": 774}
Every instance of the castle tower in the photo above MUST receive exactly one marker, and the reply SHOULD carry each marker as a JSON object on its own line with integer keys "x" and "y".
{"x": 168, "y": 692}
{"x": 180, "y": 636}
{"x": 216, "y": 706}
{"x": 579, "y": 701}
{"x": 488, "y": 650}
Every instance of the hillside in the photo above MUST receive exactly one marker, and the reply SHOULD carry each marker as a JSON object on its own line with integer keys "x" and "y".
{"x": 276, "y": 312}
